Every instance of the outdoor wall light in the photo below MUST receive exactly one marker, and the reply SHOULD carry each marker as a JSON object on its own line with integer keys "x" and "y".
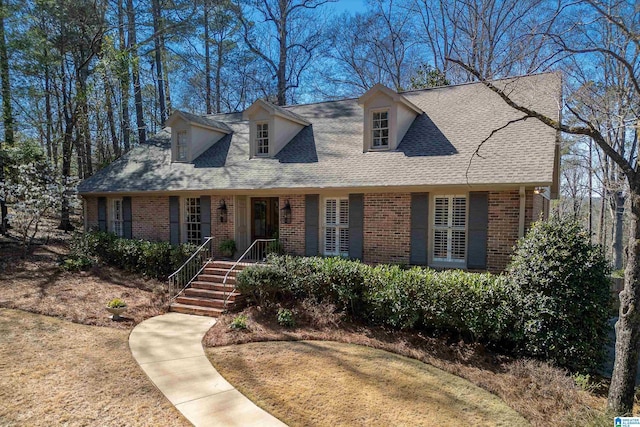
{"x": 286, "y": 213}
{"x": 222, "y": 211}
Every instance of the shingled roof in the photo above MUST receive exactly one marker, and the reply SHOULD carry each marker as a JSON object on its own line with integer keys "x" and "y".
{"x": 438, "y": 149}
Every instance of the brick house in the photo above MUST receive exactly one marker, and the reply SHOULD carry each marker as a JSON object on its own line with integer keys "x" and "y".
{"x": 388, "y": 177}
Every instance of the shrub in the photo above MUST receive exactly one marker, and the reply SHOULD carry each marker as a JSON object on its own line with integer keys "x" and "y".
{"x": 285, "y": 318}
{"x": 116, "y": 303}
{"x": 561, "y": 282}
{"x": 227, "y": 247}
{"x": 152, "y": 259}
{"x": 76, "y": 263}
{"x": 239, "y": 322}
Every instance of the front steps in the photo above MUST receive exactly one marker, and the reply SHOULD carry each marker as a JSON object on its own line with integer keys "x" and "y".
{"x": 206, "y": 295}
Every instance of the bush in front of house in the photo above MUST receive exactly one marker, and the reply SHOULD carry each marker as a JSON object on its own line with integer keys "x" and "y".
{"x": 561, "y": 280}
{"x": 475, "y": 305}
{"x": 152, "y": 259}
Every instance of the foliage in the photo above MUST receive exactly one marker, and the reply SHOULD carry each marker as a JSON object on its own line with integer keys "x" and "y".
{"x": 116, "y": 303}
{"x": 285, "y": 318}
{"x": 76, "y": 263}
{"x": 227, "y": 247}
{"x": 32, "y": 188}
{"x": 152, "y": 259}
{"x": 561, "y": 280}
{"x": 239, "y": 322}
{"x": 477, "y": 305}
{"x": 427, "y": 76}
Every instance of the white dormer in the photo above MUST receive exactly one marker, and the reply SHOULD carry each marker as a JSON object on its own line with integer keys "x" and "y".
{"x": 192, "y": 135}
{"x": 271, "y": 128}
{"x": 387, "y": 118}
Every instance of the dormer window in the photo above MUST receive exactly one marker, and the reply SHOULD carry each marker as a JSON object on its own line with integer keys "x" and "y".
{"x": 262, "y": 139}
{"x": 271, "y": 128}
{"x": 387, "y": 118}
{"x": 380, "y": 129}
{"x": 181, "y": 146}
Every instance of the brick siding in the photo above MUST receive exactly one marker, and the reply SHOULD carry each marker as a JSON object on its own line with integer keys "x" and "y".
{"x": 222, "y": 230}
{"x": 387, "y": 227}
{"x": 150, "y": 217}
{"x": 292, "y": 235}
{"x": 91, "y": 213}
{"x": 504, "y": 223}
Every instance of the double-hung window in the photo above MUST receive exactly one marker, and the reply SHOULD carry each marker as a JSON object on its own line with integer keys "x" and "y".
{"x": 192, "y": 220}
{"x": 336, "y": 226}
{"x": 450, "y": 229}
{"x": 262, "y": 139}
{"x": 181, "y": 146}
{"x": 380, "y": 129}
{"x": 116, "y": 217}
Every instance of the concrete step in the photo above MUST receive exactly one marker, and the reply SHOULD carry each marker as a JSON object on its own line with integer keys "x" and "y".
{"x": 197, "y": 310}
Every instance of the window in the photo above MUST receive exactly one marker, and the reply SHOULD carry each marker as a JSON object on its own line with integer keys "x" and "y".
{"x": 181, "y": 146}
{"x": 449, "y": 229}
{"x": 116, "y": 217}
{"x": 192, "y": 224}
{"x": 336, "y": 226}
{"x": 262, "y": 139}
{"x": 380, "y": 129}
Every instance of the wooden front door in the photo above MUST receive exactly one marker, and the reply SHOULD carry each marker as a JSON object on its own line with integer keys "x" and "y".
{"x": 264, "y": 217}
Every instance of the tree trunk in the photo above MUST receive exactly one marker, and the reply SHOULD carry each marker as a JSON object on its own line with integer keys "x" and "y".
{"x": 157, "y": 30}
{"x": 621, "y": 391}
{"x": 135, "y": 70}
{"x": 618, "y": 257}
{"x": 67, "y": 150}
{"x": 219, "y": 77}
{"x": 108, "y": 93}
{"x": 125, "y": 82}
{"x": 207, "y": 59}
{"x": 7, "y": 113}
{"x": 281, "y": 74}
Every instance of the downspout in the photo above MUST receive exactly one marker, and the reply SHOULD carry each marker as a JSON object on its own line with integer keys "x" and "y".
{"x": 523, "y": 200}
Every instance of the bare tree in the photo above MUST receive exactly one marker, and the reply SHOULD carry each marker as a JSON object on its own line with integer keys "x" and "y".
{"x": 580, "y": 42}
{"x": 296, "y": 33}
{"x": 7, "y": 111}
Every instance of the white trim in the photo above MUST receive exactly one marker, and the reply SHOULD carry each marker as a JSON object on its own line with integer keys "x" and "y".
{"x": 339, "y": 228}
{"x": 185, "y": 133}
{"x": 115, "y": 225}
{"x": 258, "y": 124}
{"x": 184, "y": 224}
{"x": 449, "y": 229}
{"x": 372, "y": 129}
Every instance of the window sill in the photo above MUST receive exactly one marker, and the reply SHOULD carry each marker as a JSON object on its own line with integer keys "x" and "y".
{"x": 448, "y": 265}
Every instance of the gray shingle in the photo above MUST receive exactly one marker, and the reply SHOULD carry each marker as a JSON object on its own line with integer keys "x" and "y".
{"x": 436, "y": 151}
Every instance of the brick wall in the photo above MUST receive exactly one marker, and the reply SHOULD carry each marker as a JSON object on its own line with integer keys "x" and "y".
{"x": 387, "y": 227}
{"x": 91, "y": 213}
{"x": 292, "y": 235}
{"x": 150, "y": 217}
{"x": 222, "y": 230}
{"x": 504, "y": 223}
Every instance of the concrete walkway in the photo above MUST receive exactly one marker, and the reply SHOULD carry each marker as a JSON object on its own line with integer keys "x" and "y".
{"x": 168, "y": 349}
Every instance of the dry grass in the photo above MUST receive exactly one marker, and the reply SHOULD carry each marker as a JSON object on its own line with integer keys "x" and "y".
{"x": 328, "y": 383}
{"x": 37, "y": 284}
{"x": 542, "y": 394}
{"x": 54, "y": 372}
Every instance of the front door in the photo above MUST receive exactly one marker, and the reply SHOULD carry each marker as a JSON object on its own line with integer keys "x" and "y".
{"x": 264, "y": 217}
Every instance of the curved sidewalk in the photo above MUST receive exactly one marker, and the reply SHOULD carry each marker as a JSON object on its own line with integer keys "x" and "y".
{"x": 168, "y": 349}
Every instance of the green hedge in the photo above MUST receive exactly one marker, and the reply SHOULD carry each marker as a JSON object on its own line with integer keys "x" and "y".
{"x": 152, "y": 259}
{"x": 478, "y": 305}
{"x": 551, "y": 305}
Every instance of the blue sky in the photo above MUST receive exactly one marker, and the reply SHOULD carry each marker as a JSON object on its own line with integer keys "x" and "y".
{"x": 349, "y": 5}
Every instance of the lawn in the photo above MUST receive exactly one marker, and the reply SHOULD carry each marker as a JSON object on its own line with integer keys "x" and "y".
{"x": 54, "y": 372}
{"x": 328, "y": 383}
{"x": 542, "y": 394}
